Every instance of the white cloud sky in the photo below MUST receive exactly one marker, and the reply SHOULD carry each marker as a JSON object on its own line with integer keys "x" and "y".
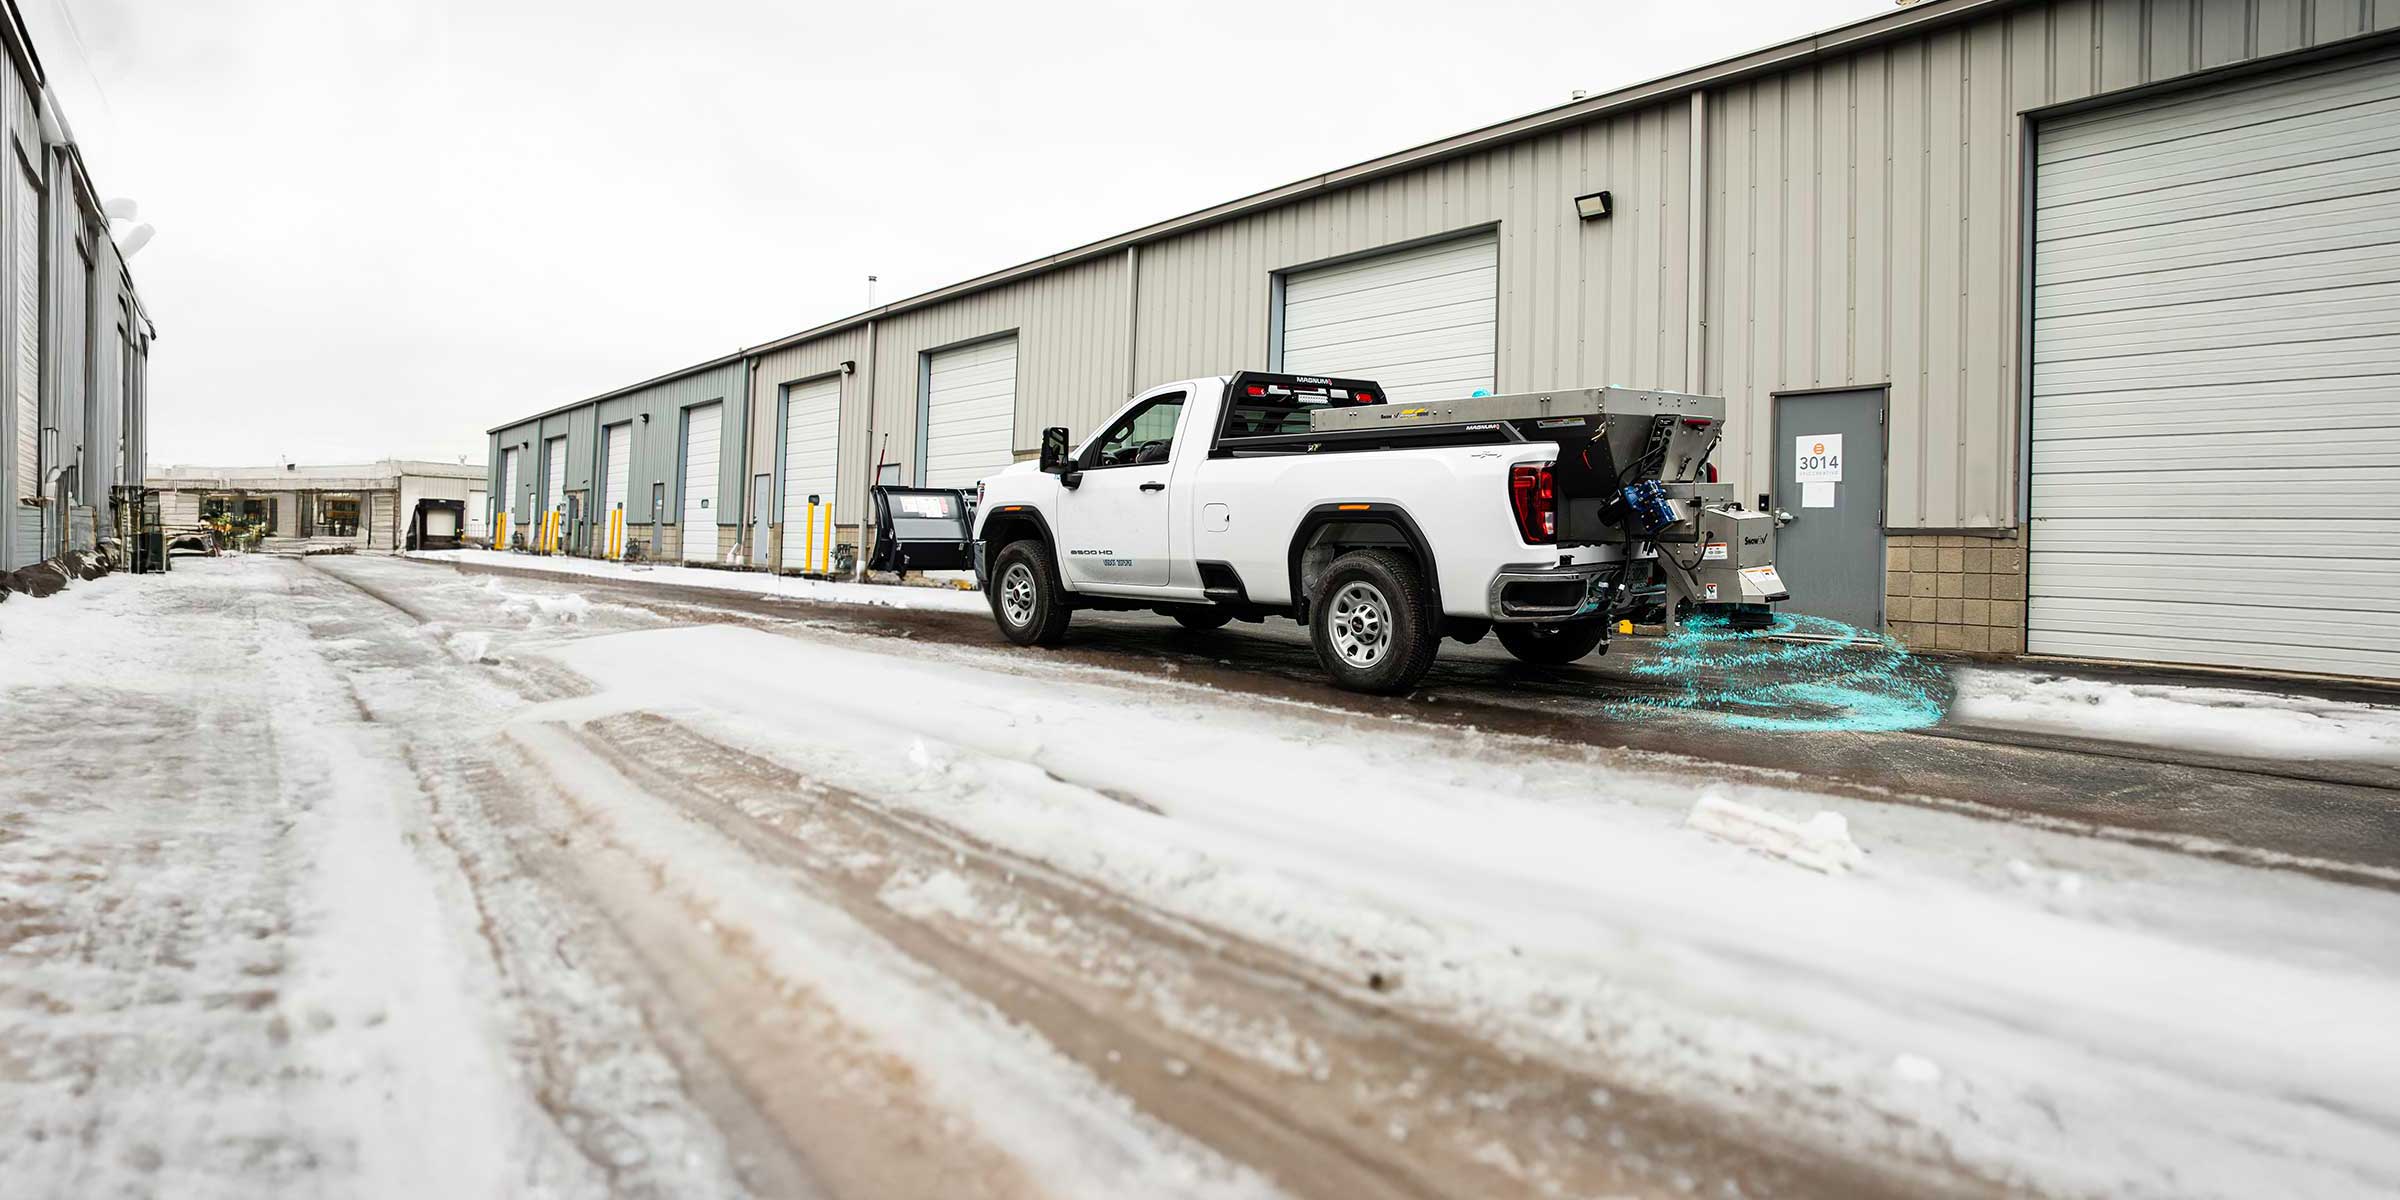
{"x": 385, "y": 225}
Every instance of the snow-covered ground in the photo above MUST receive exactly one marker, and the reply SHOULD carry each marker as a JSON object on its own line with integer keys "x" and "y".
{"x": 2240, "y": 722}
{"x": 2077, "y": 1017}
{"x": 706, "y": 579}
{"x": 408, "y": 848}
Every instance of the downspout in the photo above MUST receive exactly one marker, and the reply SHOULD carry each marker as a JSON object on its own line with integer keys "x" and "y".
{"x": 866, "y": 491}
{"x": 1133, "y": 316}
{"x": 1695, "y": 261}
{"x": 749, "y": 525}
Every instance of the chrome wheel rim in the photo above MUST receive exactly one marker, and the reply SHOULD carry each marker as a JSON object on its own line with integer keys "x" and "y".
{"x": 1360, "y": 624}
{"x": 1016, "y": 594}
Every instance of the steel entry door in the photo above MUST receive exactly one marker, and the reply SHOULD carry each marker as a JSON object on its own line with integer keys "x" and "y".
{"x": 1831, "y": 554}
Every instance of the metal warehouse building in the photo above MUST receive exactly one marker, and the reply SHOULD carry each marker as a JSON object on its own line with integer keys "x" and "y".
{"x": 2102, "y": 297}
{"x": 74, "y": 341}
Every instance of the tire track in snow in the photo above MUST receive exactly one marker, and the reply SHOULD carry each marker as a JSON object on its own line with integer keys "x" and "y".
{"x": 976, "y": 1101}
{"x": 1331, "y": 1089}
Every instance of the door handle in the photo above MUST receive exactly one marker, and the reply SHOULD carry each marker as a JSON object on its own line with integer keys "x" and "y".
{"x": 1154, "y": 486}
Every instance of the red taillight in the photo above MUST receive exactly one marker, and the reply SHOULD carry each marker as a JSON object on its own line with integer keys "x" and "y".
{"x": 1533, "y": 494}
{"x": 1366, "y": 397}
{"x": 1255, "y": 390}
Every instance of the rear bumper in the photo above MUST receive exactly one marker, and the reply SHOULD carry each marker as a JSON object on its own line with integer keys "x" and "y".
{"x": 1568, "y": 592}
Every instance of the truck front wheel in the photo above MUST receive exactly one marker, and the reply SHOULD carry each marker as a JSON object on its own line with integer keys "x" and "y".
{"x": 1028, "y": 600}
{"x": 1553, "y": 645}
{"x": 1373, "y": 623}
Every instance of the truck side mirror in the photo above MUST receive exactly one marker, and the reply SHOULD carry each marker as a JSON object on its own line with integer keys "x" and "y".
{"x": 1055, "y": 449}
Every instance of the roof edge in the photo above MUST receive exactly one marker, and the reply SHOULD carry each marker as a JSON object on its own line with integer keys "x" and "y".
{"x": 1841, "y": 39}
{"x": 713, "y": 364}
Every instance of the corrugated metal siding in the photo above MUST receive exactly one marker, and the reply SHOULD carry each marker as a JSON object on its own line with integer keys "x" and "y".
{"x": 24, "y": 248}
{"x": 1070, "y": 327}
{"x": 74, "y": 323}
{"x": 812, "y": 360}
{"x": 27, "y": 523}
{"x": 656, "y": 453}
{"x": 1866, "y": 217}
{"x": 1579, "y": 302}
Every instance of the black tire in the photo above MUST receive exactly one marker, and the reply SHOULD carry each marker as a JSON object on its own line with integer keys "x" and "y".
{"x": 1552, "y": 645}
{"x": 1200, "y": 620}
{"x": 1025, "y": 583}
{"x": 1373, "y": 624}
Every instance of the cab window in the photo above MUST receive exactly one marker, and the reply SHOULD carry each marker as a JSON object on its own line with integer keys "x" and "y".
{"x": 1140, "y": 437}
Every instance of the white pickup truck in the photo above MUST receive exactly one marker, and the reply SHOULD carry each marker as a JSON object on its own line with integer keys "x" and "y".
{"x": 1383, "y": 527}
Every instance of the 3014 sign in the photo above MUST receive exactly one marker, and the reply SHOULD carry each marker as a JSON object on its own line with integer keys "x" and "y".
{"x": 1819, "y": 458}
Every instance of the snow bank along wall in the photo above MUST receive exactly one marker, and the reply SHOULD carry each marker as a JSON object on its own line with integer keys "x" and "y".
{"x": 74, "y": 340}
{"x": 2057, "y": 251}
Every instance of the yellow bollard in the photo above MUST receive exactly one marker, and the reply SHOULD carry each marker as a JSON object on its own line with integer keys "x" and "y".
{"x": 808, "y": 542}
{"x": 500, "y": 542}
{"x": 828, "y": 539}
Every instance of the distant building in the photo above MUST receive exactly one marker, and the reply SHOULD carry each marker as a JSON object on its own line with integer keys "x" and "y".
{"x": 368, "y": 503}
{"x": 74, "y": 341}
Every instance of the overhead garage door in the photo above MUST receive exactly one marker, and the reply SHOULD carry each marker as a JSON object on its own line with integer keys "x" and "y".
{"x": 554, "y": 474}
{"x": 970, "y": 412}
{"x": 701, "y": 427}
{"x": 1422, "y": 322}
{"x": 510, "y": 497}
{"x": 2216, "y": 412}
{"x": 811, "y": 431}
{"x": 616, "y": 458}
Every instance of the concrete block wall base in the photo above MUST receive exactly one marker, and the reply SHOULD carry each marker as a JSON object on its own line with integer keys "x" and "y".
{"x": 1956, "y": 593}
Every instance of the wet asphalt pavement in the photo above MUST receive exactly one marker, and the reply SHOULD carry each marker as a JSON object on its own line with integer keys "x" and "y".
{"x": 2337, "y": 820}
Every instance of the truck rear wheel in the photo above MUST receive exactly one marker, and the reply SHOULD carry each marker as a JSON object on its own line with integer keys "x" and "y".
{"x": 1028, "y": 600}
{"x": 1373, "y": 623}
{"x": 1553, "y": 645}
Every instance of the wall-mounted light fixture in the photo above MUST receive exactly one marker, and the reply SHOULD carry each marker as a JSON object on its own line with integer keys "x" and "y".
{"x": 645, "y": 418}
{"x": 1592, "y": 206}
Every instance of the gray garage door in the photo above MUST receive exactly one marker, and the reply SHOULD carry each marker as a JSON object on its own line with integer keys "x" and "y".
{"x": 1423, "y": 322}
{"x": 2216, "y": 420}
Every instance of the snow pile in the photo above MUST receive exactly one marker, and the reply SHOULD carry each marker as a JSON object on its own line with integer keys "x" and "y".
{"x": 2217, "y": 720}
{"x": 749, "y": 583}
{"x": 1821, "y": 843}
{"x": 1936, "y": 1009}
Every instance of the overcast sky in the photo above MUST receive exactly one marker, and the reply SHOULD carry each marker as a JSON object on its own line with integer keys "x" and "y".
{"x": 386, "y": 225}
